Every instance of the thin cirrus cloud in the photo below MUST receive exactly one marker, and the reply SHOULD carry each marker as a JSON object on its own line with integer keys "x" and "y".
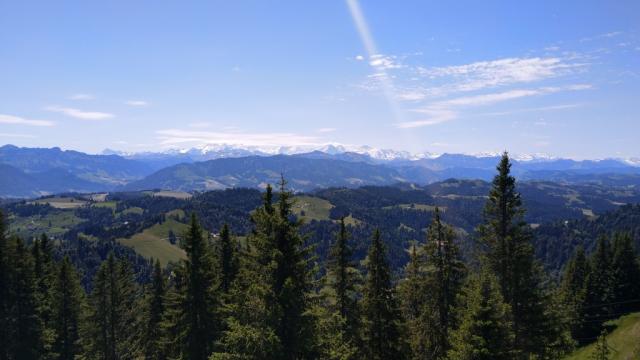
{"x": 173, "y": 137}
{"x": 17, "y": 120}
{"x": 81, "y": 97}
{"x": 137, "y": 103}
{"x": 17, "y": 136}
{"x": 447, "y": 110}
{"x": 80, "y": 114}
{"x": 326, "y": 130}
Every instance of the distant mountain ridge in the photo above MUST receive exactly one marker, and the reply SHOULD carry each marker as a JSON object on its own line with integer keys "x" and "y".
{"x": 55, "y": 170}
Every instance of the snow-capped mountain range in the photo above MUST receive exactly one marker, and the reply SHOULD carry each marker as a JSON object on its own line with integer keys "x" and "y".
{"x": 218, "y": 151}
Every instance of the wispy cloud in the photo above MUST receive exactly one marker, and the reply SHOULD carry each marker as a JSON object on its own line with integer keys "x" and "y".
{"x": 81, "y": 97}
{"x": 19, "y": 136}
{"x": 501, "y": 72}
{"x": 80, "y": 114}
{"x": 16, "y": 120}
{"x": 137, "y": 103}
{"x": 447, "y": 110}
{"x": 536, "y": 109}
{"x": 326, "y": 130}
{"x": 172, "y": 137}
{"x": 609, "y": 34}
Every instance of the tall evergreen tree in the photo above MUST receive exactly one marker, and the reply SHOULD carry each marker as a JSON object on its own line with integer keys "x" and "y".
{"x": 414, "y": 297}
{"x": 44, "y": 273}
{"x": 380, "y": 312}
{"x": 251, "y": 312}
{"x": 337, "y": 314}
{"x": 342, "y": 278}
{"x": 291, "y": 280}
{"x": 25, "y": 327}
{"x": 626, "y": 275}
{"x": 601, "y": 351}
{"x": 599, "y": 289}
{"x": 228, "y": 259}
{"x": 152, "y": 339}
{"x": 67, "y": 301}
{"x": 110, "y": 323}
{"x": 445, "y": 273}
{"x": 573, "y": 291}
{"x": 510, "y": 256}
{"x": 485, "y": 331}
{"x": 200, "y": 298}
{"x": 4, "y": 290}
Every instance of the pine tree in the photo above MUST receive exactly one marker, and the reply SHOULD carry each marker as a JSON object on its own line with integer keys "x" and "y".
{"x": 44, "y": 273}
{"x": 342, "y": 277}
{"x": 380, "y": 327}
{"x": 25, "y": 327}
{"x": 228, "y": 259}
{"x": 510, "y": 256}
{"x": 111, "y": 323}
{"x": 485, "y": 331}
{"x": 445, "y": 273}
{"x": 599, "y": 290}
{"x": 337, "y": 312}
{"x": 67, "y": 301}
{"x": 573, "y": 291}
{"x": 199, "y": 302}
{"x": 414, "y": 297}
{"x": 250, "y": 331}
{"x": 291, "y": 280}
{"x": 601, "y": 351}
{"x": 4, "y": 290}
{"x": 152, "y": 339}
{"x": 626, "y": 275}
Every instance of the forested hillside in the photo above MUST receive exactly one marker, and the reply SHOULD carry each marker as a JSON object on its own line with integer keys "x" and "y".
{"x": 447, "y": 271}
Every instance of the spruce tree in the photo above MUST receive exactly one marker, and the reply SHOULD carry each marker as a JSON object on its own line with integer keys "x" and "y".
{"x": 342, "y": 276}
{"x": 24, "y": 339}
{"x": 200, "y": 298}
{"x": 337, "y": 325}
{"x": 414, "y": 297}
{"x": 601, "y": 351}
{"x": 228, "y": 259}
{"x": 379, "y": 309}
{"x": 67, "y": 301}
{"x": 573, "y": 292}
{"x": 599, "y": 289}
{"x": 485, "y": 331}
{"x": 152, "y": 339}
{"x": 4, "y": 290}
{"x": 445, "y": 273}
{"x": 626, "y": 275}
{"x": 509, "y": 254}
{"x": 111, "y": 322}
{"x": 44, "y": 273}
{"x": 291, "y": 280}
{"x": 250, "y": 331}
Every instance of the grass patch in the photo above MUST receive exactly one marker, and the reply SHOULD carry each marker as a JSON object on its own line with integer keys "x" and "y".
{"x": 624, "y": 340}
{"x": 311, "y": 208}
{"x": 53, "y": 224}
{"x": 61, "y": 202}
{"x": 419, "y": 207}
{"x": 173, "y": 194}
{"x": 133, "y": 210}
{"x": 154, "y": 242}
{"x": 106, "y": 204}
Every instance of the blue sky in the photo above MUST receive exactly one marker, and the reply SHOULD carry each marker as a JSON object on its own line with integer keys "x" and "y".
{"x": 555, "y": 77}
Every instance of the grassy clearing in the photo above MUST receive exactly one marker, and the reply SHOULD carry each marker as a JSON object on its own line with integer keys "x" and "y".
{"x": 53, "y": 224}
{"x": 624, "y": 341}
{"x": 311, "y": 208}
{"x": 106, "y": 204}
{"x": 173, "y": 194}
{"x": 154, "y": 242}
{"x": 62, "y": 202}
{"x": 420, "y": 207}
{"x": 133, "y": 210}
